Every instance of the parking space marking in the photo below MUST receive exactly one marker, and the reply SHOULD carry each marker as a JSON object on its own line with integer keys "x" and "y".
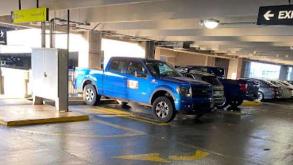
{"x": 196, "y": 156}
{"x": 129, "y": 132}
{"x": 153, "y": 157}
{"x": 251, "y": 103}
{"x": 156, "y": 157}
{"x": 128, "y": 115}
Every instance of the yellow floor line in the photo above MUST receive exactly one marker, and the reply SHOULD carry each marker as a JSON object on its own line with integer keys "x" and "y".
{"x": 153, "y": 157}
{"x": 129, "y": 115}
{"x": 196, "y": 156}
{"x": 251, "y": 103}
{"x": 129, "y": 132}
{"x": 156, "y": 157}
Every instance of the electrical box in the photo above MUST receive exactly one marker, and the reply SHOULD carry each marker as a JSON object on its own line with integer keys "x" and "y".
{"x": 50, "y": 76}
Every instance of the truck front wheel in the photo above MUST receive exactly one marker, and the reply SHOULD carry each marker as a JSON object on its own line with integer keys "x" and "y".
{"x": 163, "y": 109}
{"x": 90, "y": 96}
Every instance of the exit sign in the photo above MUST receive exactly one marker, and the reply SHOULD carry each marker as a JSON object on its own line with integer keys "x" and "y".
{"x": 275, "y": 15}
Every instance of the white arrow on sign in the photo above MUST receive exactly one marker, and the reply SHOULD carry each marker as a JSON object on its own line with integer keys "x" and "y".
{"x": 268, "y": 15}
{"x": 1, "y": 34}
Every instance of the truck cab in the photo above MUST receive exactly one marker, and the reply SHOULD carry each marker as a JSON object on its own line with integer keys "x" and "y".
{"x": 148, "y": 82}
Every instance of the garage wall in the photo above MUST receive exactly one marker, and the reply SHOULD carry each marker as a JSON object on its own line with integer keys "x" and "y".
{"x": 183, "y": 58}
{"x": 235, "y": 68}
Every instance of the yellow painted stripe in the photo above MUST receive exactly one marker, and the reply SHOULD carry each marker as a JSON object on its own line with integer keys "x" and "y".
{"x": 196, "y": 156}
{"x": 251, "y": 103}
{"x": 156, "y": 157}
{"x": 129, "y": 115}
{"x": 153, "y": 157}
{"x": 129, "y": 132}
{"x": 45, "y": 120}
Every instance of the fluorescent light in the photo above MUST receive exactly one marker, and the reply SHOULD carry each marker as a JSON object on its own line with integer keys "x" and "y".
{"x": 210, "y": 23}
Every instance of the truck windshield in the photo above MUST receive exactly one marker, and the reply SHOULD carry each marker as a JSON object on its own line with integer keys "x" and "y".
{"x": 162, "y": 69}
{"x": 212, "y": 80}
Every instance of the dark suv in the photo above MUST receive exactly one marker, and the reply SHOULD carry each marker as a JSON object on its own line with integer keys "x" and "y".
{"x": 218, "y": 88}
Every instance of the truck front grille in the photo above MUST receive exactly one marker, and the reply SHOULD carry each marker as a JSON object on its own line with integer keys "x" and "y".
{"x": 201, "y": 91}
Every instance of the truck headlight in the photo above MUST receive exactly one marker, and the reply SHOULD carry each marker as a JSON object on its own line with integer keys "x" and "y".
{"x": 185, "y": 91}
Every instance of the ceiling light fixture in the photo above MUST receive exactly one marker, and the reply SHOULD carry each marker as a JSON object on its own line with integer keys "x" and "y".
{"x": 210, "y": 23}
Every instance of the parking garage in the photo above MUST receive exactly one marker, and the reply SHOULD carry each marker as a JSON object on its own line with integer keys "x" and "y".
{"x": 146, "y": 82}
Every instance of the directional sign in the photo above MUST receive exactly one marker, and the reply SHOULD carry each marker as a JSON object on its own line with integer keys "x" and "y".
{"x": 275, "y": 15}
{"x": 3, "y": 36}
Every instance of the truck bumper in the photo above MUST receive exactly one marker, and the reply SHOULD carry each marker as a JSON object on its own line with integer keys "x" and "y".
{"x": 195, "y": 105}
{"x": 218, "y": 100}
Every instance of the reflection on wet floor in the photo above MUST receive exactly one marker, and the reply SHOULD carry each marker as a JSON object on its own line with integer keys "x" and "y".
{"x": 114, "y": 135}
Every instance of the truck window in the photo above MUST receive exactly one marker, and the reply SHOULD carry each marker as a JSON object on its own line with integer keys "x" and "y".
{"x": 162, "y": 69}
{"x": 118, "y": 66}
{"x": 136, "y": 69}
{"x": 211, "y": 79}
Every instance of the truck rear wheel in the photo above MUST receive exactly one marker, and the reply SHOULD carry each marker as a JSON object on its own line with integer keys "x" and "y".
{"x": 90, "y": 96}
{"x": 163, "y": 109}
{"x": 236, "y": 102}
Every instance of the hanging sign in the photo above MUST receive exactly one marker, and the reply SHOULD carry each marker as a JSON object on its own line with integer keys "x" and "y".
{"x": 30, "y": 15}
{"x": 275, "y": 15}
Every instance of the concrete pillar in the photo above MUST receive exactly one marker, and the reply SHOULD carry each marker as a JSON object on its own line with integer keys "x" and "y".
{"x": 1, "y": 83}
{"x": 235, "y": 68}
{"x": 283, "y": 72}
{"x": 94, "y": 39}
{"x": 157, "y": 53}
{"x": 150, "y": 49}
{"x": 210, "y": 61}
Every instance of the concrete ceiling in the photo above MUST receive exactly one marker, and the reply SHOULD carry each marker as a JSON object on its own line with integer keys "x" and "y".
{"x": 178, "y": 20}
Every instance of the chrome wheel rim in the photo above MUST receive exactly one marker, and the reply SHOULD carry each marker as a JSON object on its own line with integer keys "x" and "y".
{"x": 89, "y": 94}
{"x": 162, "y": 109}
{"x": 259, "y": 97}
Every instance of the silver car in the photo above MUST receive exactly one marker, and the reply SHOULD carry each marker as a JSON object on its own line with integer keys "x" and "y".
{"x": 266, "y": 91}
{"x": 285, "y": 92}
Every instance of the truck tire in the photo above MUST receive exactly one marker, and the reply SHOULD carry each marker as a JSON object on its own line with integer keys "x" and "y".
{"x": 236, "y": 102}
{"x": 223, "y": 105}
{"x": 90, "y": 96}
{"x": 163, "y": 109}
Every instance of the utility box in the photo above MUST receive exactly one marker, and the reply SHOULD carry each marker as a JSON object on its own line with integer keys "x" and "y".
{"x": 50, "y": 76}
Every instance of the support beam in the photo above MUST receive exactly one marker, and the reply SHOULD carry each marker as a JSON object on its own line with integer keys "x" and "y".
{"x": 94, "y": 39}
{"x": 149, "y": 49}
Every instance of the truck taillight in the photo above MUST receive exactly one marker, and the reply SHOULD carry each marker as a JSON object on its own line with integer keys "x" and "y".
{"x": 243, "y": 88}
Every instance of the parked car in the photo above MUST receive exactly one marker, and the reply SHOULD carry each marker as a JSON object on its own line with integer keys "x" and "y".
{"x": 218, "y": 88}
{"x": 151, "y": 83}
{"x": 267, "y": 90}
{"x": 252, "y": 90}
{"x": 234, "y": 90}
{"x": 288, "y": 85}
{"x": 285, "y": 92}
{"x": 290, "y": 82}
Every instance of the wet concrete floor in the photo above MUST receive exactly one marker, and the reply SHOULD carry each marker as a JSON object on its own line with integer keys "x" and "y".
{"x": 258, "y": 135}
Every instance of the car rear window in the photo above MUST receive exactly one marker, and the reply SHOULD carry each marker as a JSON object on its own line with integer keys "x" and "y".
{"x": 211, "y": 79}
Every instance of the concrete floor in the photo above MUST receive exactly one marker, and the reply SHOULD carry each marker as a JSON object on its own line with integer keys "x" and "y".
{"x": 258, "y": 135}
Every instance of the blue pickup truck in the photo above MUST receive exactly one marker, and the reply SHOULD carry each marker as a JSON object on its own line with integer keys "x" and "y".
{"x": 148, "y": 82}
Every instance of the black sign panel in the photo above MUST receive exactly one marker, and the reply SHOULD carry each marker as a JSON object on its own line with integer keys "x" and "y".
{"x": 3, "y": 36}
{"x": 275, "y": 15}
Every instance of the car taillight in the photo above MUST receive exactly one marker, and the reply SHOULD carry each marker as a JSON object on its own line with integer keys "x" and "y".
{"x": 243, "y": 87}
